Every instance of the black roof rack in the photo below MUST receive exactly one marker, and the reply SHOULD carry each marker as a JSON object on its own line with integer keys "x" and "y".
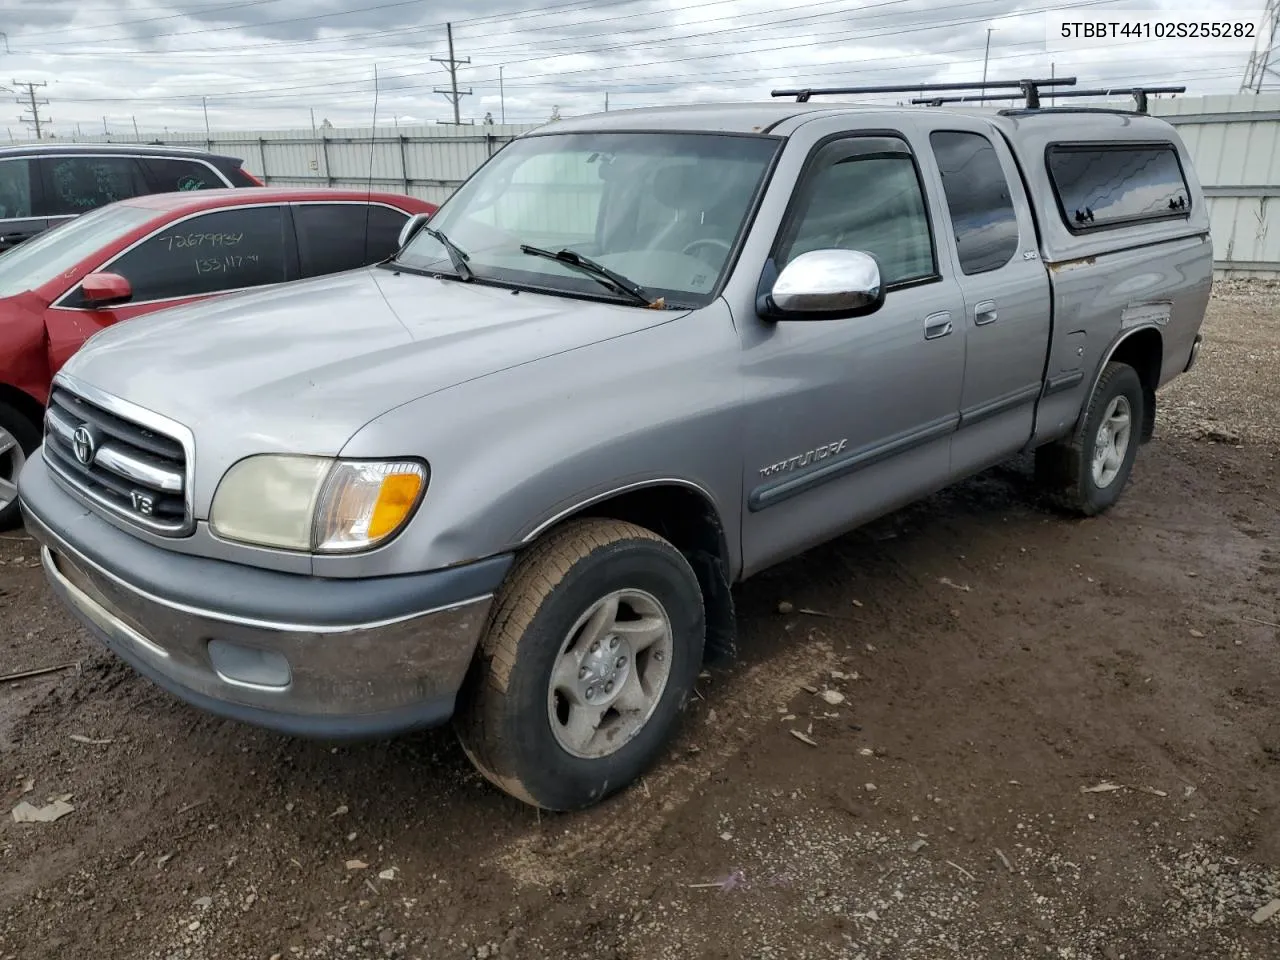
{"x": 1139, "y": 95}
{"x": 1030, "y": 89}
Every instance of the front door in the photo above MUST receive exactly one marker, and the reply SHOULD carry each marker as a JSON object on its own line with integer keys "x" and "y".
{"x": 1006, "y": 290}
{"x": 848, "y": 419}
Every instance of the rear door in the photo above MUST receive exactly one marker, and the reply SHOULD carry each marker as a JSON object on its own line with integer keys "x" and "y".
{"x": 74, "y": 185}
{"x": 21, "y": 213}
{"x": 1006, "y": 292}
{"x": 202, "y": 255}
{"x": 343, "y": 236}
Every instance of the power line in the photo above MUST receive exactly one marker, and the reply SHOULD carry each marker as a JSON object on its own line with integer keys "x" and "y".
{"x": 453, "y": 94}
{"x": 559, "y": 8}
{"x": 699, "y": 39}
{"x": 31, "y": 107}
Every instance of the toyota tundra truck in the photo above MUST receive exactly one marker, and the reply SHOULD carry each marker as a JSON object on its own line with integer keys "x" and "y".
{"x": 509, "y": 477}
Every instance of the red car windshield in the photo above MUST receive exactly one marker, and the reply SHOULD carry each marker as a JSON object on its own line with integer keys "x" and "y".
{"x": 40, "y": 259}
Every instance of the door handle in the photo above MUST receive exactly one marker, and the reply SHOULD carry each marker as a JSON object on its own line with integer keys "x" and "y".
{"x": 937, "y": 325}
{"x": 984, "y": 313}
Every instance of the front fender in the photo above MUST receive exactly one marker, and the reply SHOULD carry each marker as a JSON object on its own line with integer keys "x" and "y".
{"x": 515, "y": 451}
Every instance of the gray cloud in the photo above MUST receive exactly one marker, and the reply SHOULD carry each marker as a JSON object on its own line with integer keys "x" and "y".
{"x": 265, "y": 64}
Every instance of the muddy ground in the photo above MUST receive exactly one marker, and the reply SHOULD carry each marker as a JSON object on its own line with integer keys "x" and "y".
{"x": 998, "y": 663}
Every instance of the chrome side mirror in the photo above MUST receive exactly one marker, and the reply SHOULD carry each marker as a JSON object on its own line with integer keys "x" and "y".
{"x": 411, "y": 226}
{"x": 826, "y": 284}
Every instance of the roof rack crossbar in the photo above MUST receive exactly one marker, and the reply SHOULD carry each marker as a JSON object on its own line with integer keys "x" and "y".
{"x": 1030, "y": 89}
{"x": 1139, "y": 95}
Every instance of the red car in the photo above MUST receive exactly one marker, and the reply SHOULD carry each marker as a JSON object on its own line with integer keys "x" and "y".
{"x": 153, "y": 252}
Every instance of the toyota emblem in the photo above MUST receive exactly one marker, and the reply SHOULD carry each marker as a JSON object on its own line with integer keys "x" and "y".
{"x": 82, "y": 445}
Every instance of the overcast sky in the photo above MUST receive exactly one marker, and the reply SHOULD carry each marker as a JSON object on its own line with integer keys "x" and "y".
{"x": 265, "y": 64}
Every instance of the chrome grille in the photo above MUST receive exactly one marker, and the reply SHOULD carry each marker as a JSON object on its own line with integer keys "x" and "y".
{"x": 132, "y": 470}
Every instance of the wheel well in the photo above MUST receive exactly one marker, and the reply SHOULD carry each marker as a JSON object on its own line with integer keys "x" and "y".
{"x": 24, "y": 403}
{"x": 1144, "y": 351}
{"x": 690, "y": 523}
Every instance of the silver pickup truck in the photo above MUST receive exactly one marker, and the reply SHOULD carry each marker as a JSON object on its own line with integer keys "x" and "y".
{"x": 509, "y": 476}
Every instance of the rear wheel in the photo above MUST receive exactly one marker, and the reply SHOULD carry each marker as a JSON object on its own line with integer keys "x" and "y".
{"x": 592, "y": 649}
{"x": 1087, "y": 472}
{"x": 19, "y": 438}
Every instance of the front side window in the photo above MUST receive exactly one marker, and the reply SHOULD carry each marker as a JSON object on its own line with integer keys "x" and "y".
{"x": 15, "y": 188}
{"x": 1111, "y": 184}
{"x": 978, "y": 199}
{"x": 80, "y": 184}
{"x": 663, "y": 209}
{"x": 210, "y": 253}
{"x": 343, "y": 236}
{"x": 864, "y": 196}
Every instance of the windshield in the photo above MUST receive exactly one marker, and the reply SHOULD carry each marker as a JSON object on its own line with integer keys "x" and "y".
{"x": 40, "y": 259}
{"x": 662, "y": 209}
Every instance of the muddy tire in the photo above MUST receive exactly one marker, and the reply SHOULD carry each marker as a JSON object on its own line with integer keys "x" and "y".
{"x": 19, "y": 438}
{"x": 1086, "y": 473}
{"x": 592, "y": 648}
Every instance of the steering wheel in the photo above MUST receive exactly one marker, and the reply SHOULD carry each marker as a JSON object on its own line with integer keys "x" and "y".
{"x": 706, "y": 241}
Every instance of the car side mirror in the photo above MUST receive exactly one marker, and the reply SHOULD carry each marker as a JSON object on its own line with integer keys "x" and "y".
{"x": 411, "y": 227}
{"x": 105, "y": 289}
{"x": 825, "y": 285}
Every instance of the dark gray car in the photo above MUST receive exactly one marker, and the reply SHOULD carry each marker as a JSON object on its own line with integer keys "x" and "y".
{"x": 511, "y": 475}
{"x": 42, "y": 185}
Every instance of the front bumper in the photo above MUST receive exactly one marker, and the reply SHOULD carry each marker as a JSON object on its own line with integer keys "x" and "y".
{"x": 301, "y": 655}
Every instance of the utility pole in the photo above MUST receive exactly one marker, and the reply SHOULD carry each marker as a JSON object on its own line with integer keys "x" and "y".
{"x": 32, "y": 106}
{"x": 204, "y": 104}
{"x": 606, "y": 101}
{"x": 1262, "y": 72}
{"x": 136, "y": 135}
{"x": 986, "y": 55}
{"x": 453, "y": 94}
{"x": 105, "y": 131}
{"x": 502, "y": 96}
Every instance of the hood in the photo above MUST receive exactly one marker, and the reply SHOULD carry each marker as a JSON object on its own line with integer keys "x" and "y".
{"x": 302, "y": 366}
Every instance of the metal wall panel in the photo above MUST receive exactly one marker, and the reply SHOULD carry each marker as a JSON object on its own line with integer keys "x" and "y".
{"x": 1235, "y": 145}
{"x": 1234, "y": 142}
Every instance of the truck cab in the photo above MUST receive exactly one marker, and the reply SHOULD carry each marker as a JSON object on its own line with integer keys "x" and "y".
{"x": 509, "y": 477}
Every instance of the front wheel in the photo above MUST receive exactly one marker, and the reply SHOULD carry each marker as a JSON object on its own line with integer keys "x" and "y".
{"x": 1087, "y": 472}
{"x": 592, "y": 649}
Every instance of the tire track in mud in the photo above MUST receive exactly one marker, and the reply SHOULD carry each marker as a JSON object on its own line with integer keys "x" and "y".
{"x": 747, "y": 700}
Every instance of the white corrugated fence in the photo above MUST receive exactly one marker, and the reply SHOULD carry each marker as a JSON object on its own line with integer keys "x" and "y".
{"x": 1234, "y": 141}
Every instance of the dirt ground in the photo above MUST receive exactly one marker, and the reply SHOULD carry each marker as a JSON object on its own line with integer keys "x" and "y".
{"x": 1058, "y": 739}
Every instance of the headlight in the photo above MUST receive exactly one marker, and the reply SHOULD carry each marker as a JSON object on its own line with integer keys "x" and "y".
{"x": 316, "y": 503}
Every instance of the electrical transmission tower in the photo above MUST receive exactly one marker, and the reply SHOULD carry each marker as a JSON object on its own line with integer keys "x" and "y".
{"x": 31, "y": 107}
{"x": 453, "y": 94}
{"x": 1263, "y": 70}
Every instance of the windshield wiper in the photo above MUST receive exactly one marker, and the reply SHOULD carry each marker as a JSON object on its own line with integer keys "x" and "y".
{"x": 457, "y": 256}
{"x": 597, "y": 271}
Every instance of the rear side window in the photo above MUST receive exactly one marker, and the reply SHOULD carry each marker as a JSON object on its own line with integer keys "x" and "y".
{"x": 222, "y": 250}
{"x": 15, "y": 188}
{"x": 332, "y": 236}
{"x": 79, "y": 184}
{"x": 170, "y": 175}
{"x": 1100, "y": 185}
{"x": 978, "y": 199}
